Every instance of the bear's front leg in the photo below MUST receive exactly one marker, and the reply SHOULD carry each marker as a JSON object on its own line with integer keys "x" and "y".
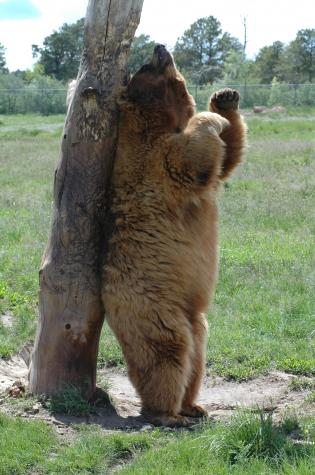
{"x": 226, "y": 103}
{"x": 194, "y": 157}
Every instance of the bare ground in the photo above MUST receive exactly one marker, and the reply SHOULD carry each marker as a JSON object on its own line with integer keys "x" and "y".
{"x": 270, "y": 392}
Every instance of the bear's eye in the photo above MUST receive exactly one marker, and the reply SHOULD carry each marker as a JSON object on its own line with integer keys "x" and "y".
{"x": 178, "y": 130}
{"x": 203, "y": 177}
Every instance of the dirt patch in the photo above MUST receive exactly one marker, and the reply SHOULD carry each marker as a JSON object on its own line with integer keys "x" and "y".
{"x": 270, "y": 392}
{"x": 11, "y": 370}
{"x": 7, "y": 320}
{"x": 220, "y": 397}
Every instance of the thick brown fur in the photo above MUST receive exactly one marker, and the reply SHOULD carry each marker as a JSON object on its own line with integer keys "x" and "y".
{"x": 161, "y": 269}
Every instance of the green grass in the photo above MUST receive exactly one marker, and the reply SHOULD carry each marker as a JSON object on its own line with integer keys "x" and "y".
{"x": 31, "y": 447}
{"x": 23, "y": 445}
{"x": 301, "y": 384}
{"x": 276, "y": 127}
{"x": 264, "y": 310}
{"x": 26, "y": 174}
{"x": 29, "y": 121}
{"x": 263, "y": 315}
{"x": 248, "y": 443}
{"x": 95, "y": 453}
{"x": 311, "y": 397}
{"x": 70, "y": 402}
{"x": 262, "y": 318}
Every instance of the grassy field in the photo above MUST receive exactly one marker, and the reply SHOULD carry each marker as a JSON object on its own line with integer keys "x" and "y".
{"x": 263, "y": 316}
{"x": 248, "y": 444}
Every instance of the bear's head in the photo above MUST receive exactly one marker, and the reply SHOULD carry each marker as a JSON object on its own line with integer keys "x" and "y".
{"x": 159, "y": 91}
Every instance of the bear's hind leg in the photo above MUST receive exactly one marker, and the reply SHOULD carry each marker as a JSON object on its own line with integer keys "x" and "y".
{"x": 189, "y": 407}
{"x": 159, "y": 368}
{"x": 163, "y": 391}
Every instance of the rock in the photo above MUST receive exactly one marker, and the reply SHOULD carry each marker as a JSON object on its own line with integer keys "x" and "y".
{"x": 264, "y": 109}
{"x": 279, "y": 109}
{"x": 260, "y": 109}
{"x": 17, "y": 389}
{"x": 34, "y": 409}
{"x": 146, "y": 427}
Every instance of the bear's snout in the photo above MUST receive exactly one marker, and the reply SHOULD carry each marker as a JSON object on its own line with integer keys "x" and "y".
{"x": 160, "y": 49}
{"x": 161, "y": 57}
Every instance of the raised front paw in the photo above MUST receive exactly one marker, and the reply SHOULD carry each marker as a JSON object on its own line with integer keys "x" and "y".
{"x": 225, "y": 99}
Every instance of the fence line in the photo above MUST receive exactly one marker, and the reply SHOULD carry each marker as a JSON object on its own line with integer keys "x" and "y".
{"x": 250, "y": 85}
{"x": 275, "y": 94}
{"x": 52, "y": 100}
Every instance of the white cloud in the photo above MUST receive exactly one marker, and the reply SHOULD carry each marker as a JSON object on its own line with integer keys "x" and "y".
{"x": 61, "y": 10}
{"x": 19, "y": 35}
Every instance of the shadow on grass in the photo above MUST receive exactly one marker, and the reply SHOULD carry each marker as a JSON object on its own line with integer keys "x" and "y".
{"x": 70, "y": 407}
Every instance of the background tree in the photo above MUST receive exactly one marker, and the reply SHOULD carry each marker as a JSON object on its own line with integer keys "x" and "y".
{"x": 3, "y": 68}
{"x": 203, "y": 49}
{"x": 237, "y": 67}
{"x": 140, "y": 52}
{"x": 61, "y": 51}
{"x": 268, "y": 61}
{"x": 301, "y": 56}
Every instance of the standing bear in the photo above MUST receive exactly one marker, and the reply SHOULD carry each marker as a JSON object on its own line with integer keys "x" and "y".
{"x": 162, "y": 264}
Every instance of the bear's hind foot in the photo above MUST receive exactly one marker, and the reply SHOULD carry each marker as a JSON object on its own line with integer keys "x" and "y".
{"x": 194, "y": 410}
{"x": 165, "y": 420}
{"x": 225, "y": 99}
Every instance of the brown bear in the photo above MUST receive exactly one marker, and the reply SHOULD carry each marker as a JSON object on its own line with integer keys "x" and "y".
{"x": 161, "y": 268}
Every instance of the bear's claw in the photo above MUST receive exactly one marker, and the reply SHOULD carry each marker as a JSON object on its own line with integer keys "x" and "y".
{"x": 168, "y": 420}
{"x": 226, "y": 99}
{"x": 194, "y": 411}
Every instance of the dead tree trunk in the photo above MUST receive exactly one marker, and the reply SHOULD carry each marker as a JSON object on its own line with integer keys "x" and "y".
{"x": 70, "y": 308}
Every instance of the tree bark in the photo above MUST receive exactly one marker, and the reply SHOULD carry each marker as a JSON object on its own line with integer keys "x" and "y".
{"x": 70, "y": 308}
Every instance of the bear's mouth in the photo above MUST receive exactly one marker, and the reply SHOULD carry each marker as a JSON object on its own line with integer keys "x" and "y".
{"x": 161, "y": 58}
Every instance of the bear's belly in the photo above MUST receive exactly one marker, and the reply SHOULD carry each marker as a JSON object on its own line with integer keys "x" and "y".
{"x": 155, "y": 261}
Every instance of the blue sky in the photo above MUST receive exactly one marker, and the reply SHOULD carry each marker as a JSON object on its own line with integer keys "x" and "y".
{"x": 27, "y": 22}
{"x": 18, "y": 10}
